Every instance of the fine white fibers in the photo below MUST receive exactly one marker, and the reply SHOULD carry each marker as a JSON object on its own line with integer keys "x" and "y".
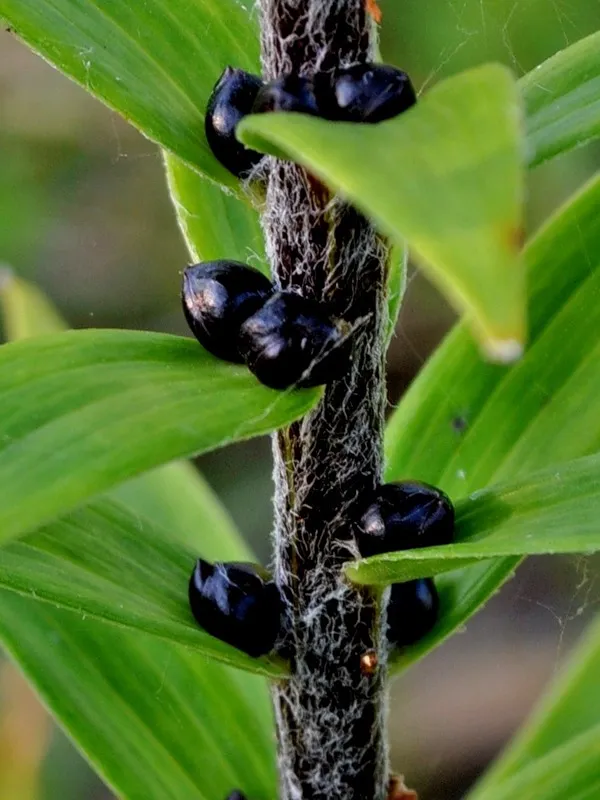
{"x": 330, "y": 717}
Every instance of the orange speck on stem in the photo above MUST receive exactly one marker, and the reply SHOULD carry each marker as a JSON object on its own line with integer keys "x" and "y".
{"x": 397, "y": 789}
{"x": 374, "y": 11}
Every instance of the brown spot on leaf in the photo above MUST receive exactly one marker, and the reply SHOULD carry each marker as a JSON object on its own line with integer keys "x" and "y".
{"x": 516, "y": 238}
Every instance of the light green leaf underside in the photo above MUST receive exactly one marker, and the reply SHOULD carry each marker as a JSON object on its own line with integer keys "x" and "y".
{"x": 553, "y": 511}
{"x": 464, "y": 425}
{"x": 570, "y": 708}
{"x": 396, "y": 284}
{"x": 72, "y": 660}
{"x": 84, "y": 411}
{"x": 562, "y": 100}
{"x": 25, "y": 311}
{"x": 447, "y": 176}
{"x": 116, "y": 566}
{"x": 571, "y": 771}
{"x": 154, "y": 61}
{"x": 214, "y": 224}
{"x": 157, "y": 721}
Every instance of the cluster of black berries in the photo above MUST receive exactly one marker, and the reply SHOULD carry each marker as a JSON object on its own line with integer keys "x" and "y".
{"x": 362, "y": 93}
{"x": 403, "y": 516}
{"x": 240, "y": 603}
{"x": 288, "y": 340}
{"x": 233, "y": 310}
{"x": 285, "y": 339}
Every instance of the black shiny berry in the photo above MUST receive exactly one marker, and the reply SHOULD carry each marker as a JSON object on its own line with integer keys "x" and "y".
{"x": 402, "y": 516}
{"x": 287, "y": 93}
{"x": 412, "y": 611}
{"x": 231, "y": 100}
{"x": 372, "y": 93}
{"x": 217, "y": 297}
{"x": 237, "y": 603}
{"x": 291, "y": 341}
{"x": 236, "y": 796}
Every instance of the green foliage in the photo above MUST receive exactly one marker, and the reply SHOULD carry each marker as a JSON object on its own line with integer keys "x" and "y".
{"x": 114, "y": 565}
{"x": 81, "y": 666}
{"x": 159, "y": 70}
{"x": 85, "y": 410}
{"x": 92, "y": 602}
{"x": 562, "y": 100}
{"x": 157, "y": 722}
{"x": 513, "y": 421}
{"x": 572, "y": 770}
{"x": 215, "y": 224}
{"x": 552, "y": 511}
{"x": 569, "y": 711}
{"x": 447, "y": 176}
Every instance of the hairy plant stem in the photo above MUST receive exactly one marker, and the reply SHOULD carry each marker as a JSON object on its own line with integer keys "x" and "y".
{"x": 330, "y": 716}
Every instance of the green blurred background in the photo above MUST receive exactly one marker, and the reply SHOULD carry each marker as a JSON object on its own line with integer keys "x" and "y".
{"x": 84, "y": 212}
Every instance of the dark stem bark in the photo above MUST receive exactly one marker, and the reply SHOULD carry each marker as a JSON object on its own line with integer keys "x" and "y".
{"x": 330, "y": 716}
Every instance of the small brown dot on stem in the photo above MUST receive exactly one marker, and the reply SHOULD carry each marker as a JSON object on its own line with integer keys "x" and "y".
{"x": 374, "y": 11}
{"x": 397, "y": 789}
{"x": 368, "y": 662}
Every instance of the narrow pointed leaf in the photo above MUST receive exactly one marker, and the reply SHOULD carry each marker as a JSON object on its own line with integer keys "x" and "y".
{"x": 562, "y": 100}
{"x": 447, "y": 176}
{"x": 569, "y": 708}
{"x": 110, "y": 564}
{"x": 572, "y": 771}
{"x": 553, "y": 511}
{"x": 154, "y": 61}
{"x": 464, "y": 425}
{"x": 215, "y": 224}
{"x": 83, "y": 411}
{"x": 25, "y": 310}
{"x": 396, "y": 284}
{"x": 176, "y": 498}
{"x": 157, "y": 722}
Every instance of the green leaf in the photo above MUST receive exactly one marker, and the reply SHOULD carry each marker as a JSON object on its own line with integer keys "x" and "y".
{"x": 154, "y": 61}
{"x": 396, "y": 284}
{"x": 556, "y": 510}
{"x": 157, "y": 722}
{"x": 88, "y": 689}
{"x": 562, "y": 100}
{"x": 175, "y": 497}
{"x": 571, "y": 707}
{"x": 26, "y": 311}
{"x": 447, "y": 176}
{"x": 571, "y": 771}
{"x": 110, "y": 564}
{"x": 83, "y": 411}
{"x": 464, "y": 425}
{"x": 214, "y": 224}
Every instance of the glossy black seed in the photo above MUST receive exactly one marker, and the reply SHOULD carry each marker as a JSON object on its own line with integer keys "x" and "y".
{"x": 217, "y": 297}
{"x": 401, "y": 516}
{"x": 237, "y": 603}
{"x": 231, "y": 100}
{"x": 292, "y": 341}
{"x": 412, "y": 611}
{"x": 372, "y": 93}
{"x": 236, "y": 796}
{"x": 287, "y": 93}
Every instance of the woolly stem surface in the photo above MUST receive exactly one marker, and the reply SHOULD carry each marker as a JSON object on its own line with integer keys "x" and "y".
{"x": 330, "y": 716}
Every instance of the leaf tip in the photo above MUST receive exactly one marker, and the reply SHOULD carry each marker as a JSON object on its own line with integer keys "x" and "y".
{"x": 6, "y": 276}
{"x": 503, "y": 351}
